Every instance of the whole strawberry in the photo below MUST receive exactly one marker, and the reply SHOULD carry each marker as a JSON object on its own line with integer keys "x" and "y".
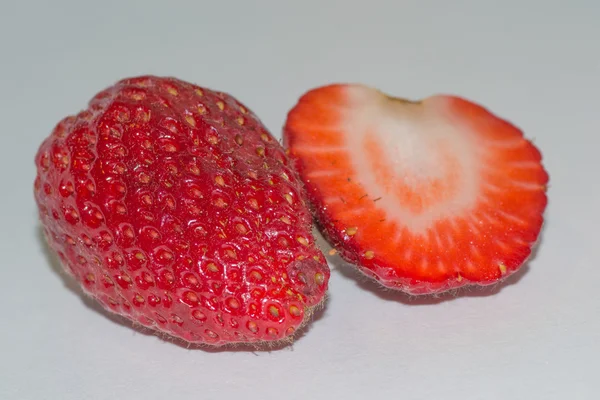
{"x": 173, "y": 206}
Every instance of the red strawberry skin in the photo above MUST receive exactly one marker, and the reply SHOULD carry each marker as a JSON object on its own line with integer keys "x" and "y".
{"x": 479, "y": 243}
{"x": 173, "y": 206}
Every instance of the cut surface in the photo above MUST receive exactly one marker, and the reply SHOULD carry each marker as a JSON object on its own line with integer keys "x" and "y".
{"x": 423, "y": 196}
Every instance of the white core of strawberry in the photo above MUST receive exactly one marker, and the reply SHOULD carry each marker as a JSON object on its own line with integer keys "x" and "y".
{"x": 420, "y": 144}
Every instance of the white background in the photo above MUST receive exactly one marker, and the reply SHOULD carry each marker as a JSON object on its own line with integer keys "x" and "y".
{"x": 536, "y": 62}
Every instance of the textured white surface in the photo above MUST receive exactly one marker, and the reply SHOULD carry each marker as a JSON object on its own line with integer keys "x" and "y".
{"x": 536, "y": 62}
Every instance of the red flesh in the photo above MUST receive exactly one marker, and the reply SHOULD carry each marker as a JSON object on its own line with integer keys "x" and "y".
{"x": 407, "y": 218}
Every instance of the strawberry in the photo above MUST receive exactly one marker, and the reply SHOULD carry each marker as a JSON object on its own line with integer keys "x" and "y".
{"x": 173, "y": 206}
{"x": 422, "y": 196}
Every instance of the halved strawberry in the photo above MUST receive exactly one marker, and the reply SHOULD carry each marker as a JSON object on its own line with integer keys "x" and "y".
{"x": 423, "y": 196}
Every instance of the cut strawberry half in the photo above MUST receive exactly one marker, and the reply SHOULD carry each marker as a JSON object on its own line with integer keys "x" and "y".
{"x": 423, "y": 196}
